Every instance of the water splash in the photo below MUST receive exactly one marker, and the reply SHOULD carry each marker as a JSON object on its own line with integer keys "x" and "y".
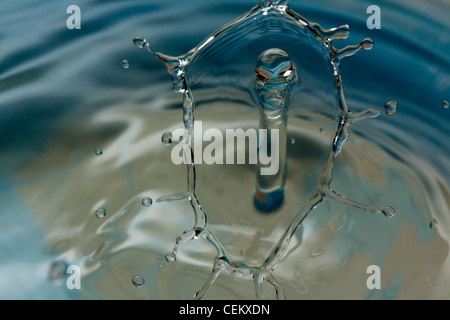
{"x": 125, "y": 64}
{"x": 138, "y": 281}
{"x": 166, "y": 138}
{"x": 266, "y": 12}
{"x": 147, "y": 202}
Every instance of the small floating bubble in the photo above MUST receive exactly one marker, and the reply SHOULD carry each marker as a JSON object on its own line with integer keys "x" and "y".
{"x": 138, "y": 281}
{"x": 366, "y": 44}
{"x": 388, "y": 212}
{"x": 445, "y": 104}
{"x": 292, "y": 140}
{"x": 390, "y": 107}
{"x": 140, "y": 42}
{"x": 100, "y": 213}
{"x": 125, "y": 63}
{"x": 433, "y": 223}
{"x": 58, "y": 271}
{"x": 147, "y": 202}
{"x": 170, "y": 257}
{"x": 166, "y": 137}
{"x": 98, "y": 152}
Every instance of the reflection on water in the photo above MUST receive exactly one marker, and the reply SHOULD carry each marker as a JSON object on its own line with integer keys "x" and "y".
{"x": 82, "y": 133}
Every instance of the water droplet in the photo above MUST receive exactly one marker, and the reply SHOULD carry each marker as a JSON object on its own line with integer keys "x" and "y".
{"x": 292, "y": 140}
{"x": 98, "y": 152}
{"x": 445, "y": 104}
{"x": 322, "y": 130}
{"x": 138, "y": 281}
{"x": 170, "y": 257}
{"x": 388, "y": 212}
{"x": 390, "y": 107}
{"x": 166, "y": 137}
{"x": 140, "y": 42}
{"x": 57, "y": 271}
{"x": 433, "y": 223}
{"x": 316, "y": 252}
{"x": 274, "y": 66}
{"x": 100, "y": 213}
{"x": 147, "y": 202}
{"x": 366, "y": 44}
{"x": 125, "y": 63}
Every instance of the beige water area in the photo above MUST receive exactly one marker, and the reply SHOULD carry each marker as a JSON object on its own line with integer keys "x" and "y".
{"x": 327, "y": 258}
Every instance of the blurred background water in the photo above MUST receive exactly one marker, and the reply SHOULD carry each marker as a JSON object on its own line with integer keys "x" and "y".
{"x": 64, "y": 94}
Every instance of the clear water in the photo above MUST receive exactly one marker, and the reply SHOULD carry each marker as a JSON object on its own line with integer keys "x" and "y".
{"x": 82, "y": 131}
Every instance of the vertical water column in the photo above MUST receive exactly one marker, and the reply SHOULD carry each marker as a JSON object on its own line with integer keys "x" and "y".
{"x": 274, "y": 74}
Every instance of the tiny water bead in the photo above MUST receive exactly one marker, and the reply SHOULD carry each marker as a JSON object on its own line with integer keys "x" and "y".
{"x": 125, "y": 64}
{"x": 445, "y": 104}
{"x": 57, "y": 270}
{"x": 138, "y": 281}
{"x": 390, "y": 107}
{"x": 147, "y": 202}
{"x": 366, "y": 44}
{"x": 317, "y": 251}
{"x": 100, "y": 213}
{"x": 170, "y": 257}
{"x": 433, "y": 223}
{"x": 140, "y": 42}
{"x": 166, "y": 138}
{"x": 98, "y": 152}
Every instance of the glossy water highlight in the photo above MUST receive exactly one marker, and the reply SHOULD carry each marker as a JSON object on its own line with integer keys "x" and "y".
{"x": 273, "y": 16}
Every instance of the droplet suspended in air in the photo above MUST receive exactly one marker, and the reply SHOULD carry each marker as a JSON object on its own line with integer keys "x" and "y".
{"x": 389, "y": 212}
{"x": 292, "y": 140}
{"x": 98, "y": 152}
{"x": 57, "y": 271}
{"x": 140, "y": 42}
{"x": 366, "y": 44}
{"x": 147, "y": 202}
{"x": 166, "y": 137}
{"x": 433, "y": 223}
{"x": 170, "y": 257}
{"x": 100, "y": 213}
{"x": 125, "y": 64}
{"x": 138, "y": 281}
{"x": 390, "y": 107}
{"x": 445, "y": 104}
